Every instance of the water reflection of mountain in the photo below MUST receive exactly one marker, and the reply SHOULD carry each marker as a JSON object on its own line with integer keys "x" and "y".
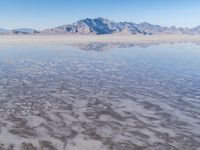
{"x": 99, "y": 46}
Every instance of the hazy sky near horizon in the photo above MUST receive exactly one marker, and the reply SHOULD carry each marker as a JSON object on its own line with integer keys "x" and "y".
{"x": 41, "y": 14}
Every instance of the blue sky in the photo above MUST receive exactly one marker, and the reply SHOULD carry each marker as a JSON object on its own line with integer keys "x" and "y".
{"x": 41, "y": 14}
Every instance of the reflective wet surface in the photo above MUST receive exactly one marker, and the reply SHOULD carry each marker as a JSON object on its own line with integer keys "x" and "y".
{"x": 122, "y": 98}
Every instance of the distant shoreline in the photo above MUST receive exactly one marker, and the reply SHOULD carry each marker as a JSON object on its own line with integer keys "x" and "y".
{"x": 77, "y": 39}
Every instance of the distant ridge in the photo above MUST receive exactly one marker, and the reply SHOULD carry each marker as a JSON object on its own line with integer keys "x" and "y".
{"x": 100, "y": 26}
{"x": 3, "y": 30}
{"x": 19, "y": 31}
{"x": 25, "y": 31}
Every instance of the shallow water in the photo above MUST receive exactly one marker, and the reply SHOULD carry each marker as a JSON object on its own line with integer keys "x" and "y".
{"x": 133, "y": 98}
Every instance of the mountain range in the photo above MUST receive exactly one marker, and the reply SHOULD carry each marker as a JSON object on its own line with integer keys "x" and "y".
{"x": 100, "y": 26}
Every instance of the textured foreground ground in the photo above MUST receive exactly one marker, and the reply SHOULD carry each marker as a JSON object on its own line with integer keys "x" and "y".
{"x": 61, "y": 99}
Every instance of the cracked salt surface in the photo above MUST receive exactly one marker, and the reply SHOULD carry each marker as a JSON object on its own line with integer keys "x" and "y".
{"x": 133, "y": 98}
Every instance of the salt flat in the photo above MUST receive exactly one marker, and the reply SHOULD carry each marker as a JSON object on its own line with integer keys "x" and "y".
{"x": 140, "y": 39}
{"x": 60, "y": 97}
